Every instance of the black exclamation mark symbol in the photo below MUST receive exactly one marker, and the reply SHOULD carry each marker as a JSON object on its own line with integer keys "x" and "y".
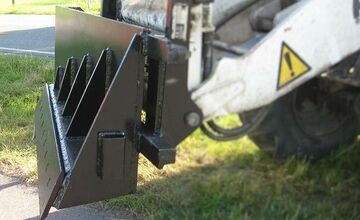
{"x": 288, "y": 61}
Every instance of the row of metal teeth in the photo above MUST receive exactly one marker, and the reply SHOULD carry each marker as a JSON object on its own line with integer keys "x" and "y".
{"x": 81, "y": 89}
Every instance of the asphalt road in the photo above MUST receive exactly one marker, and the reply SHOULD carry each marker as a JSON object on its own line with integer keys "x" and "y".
{"x": 27, "y": 34}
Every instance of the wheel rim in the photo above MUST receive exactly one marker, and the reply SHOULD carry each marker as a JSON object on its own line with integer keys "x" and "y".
{"x": 318, "y": 112}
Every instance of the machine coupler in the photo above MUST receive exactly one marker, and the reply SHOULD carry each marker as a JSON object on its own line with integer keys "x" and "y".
{"x": 90, "y": 125}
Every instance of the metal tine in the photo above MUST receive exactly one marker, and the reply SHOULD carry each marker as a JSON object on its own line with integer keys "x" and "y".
{"x": 58, "y": 77}
{"x": 69, "y": 74}
{"x": 91, "y": 99}
{"x": 78, "y": 87}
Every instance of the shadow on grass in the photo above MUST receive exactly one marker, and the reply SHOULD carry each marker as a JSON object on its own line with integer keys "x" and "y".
{"x": 252, "y": 186}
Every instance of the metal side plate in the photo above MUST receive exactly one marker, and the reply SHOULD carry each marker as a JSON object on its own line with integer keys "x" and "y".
{"x": 50, "y": 168}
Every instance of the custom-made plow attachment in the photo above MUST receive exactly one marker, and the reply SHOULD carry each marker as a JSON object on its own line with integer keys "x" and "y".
{"x": 106, "y": 106}
{"x": 123, "y": 89}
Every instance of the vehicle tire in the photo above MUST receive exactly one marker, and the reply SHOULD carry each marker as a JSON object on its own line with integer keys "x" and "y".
{"x": 308, "y": 122}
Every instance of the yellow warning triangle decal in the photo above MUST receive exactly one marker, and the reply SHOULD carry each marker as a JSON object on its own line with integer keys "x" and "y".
{"x": 291, "y": 67}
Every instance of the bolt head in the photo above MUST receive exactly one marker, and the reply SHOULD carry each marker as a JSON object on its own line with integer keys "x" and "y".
{"x": 193, "y": 119}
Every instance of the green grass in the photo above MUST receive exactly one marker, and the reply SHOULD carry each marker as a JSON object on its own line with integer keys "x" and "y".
{"x": 236, "y": 181}
{"x": 46, "y": 6}
{"x": 21, "y": 80}
{"x": 209, "y": 181}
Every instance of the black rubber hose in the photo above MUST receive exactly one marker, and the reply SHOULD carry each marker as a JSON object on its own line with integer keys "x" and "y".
{"x": 219, "y": 133}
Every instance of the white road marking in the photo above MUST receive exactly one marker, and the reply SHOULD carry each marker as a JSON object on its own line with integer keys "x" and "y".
{"x": 29, "y": 52}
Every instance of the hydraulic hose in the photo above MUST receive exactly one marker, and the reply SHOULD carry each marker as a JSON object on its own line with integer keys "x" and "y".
{"x": 218, "y": 133}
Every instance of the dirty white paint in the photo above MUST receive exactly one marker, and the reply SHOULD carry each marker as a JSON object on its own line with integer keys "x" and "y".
{"x": 321, "y": 32}
{"x": 180, "y": 18}
{"x": 195, "y": 48}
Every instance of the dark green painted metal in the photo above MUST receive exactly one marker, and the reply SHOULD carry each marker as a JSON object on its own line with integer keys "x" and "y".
{"x": 118, "y": 113}
{"x": 96, "y": 107}
{"x": 50, "y": 167}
